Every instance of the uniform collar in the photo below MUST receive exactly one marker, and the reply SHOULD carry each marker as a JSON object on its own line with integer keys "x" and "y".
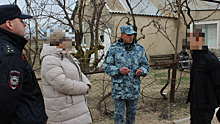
{"x": 18, "y": 41}
{"x": 128, "y": 46}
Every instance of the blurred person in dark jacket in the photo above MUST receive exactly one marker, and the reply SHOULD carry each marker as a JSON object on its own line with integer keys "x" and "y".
{"x": 204, "y": 92}
{"x": 21, "y": 100}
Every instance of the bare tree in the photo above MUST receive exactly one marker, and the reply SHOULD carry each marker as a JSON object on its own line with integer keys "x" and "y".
{"x": 71, "y": 15}
{"x": 173, "y": 9}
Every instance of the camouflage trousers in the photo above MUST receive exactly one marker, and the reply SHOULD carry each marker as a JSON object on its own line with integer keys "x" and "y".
{"x": 131, "y": 106}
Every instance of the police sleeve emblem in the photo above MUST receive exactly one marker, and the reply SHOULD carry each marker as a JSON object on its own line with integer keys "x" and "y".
{"x": 14, "y": 78}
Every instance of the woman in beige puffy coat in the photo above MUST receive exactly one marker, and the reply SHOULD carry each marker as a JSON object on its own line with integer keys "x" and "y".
{"x": 64, "y": 86}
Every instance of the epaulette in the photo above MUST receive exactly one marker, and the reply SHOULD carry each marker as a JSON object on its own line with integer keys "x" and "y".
{"x": 8, "y": 49}
{"x": 112, "y": 45}
{"x": 140, "y": 45}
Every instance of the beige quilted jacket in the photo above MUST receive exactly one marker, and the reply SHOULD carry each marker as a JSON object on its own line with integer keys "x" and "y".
{"x": 64, "y": 86}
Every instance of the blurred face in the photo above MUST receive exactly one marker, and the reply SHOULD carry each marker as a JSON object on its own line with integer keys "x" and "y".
{"x": 196, "y": 43}
{"x": 18, "y": 27}
{"x": 127, "y": 38}
{"x": 62, "y": 45}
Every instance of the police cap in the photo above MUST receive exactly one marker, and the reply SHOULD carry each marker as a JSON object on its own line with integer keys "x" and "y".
{"x": 10, "y": 12}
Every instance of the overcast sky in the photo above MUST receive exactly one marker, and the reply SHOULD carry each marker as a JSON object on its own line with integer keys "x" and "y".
{"x": 20, "y": 2}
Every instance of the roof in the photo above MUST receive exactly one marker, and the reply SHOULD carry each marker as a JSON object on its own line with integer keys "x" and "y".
{"x": 145, "y": 7}
{"x": 203, "y": 5}
{"x": 214, "y": 1}
{"x": 115, "y": 6}
{"x": 155, "y": 7}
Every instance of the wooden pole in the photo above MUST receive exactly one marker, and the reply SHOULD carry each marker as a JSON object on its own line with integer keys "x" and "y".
{"x": 173, "y": 81}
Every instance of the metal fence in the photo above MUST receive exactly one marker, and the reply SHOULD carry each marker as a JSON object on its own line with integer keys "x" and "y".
{"x": 155, "y": 94}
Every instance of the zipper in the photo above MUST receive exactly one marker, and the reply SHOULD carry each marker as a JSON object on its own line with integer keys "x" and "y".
{"x": 88, "y": 107}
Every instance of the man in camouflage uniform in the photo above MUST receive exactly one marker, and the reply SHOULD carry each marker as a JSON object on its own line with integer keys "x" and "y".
{"x": 125, "y": 62}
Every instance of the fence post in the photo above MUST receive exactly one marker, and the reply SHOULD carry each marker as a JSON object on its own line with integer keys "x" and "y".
{"x": 173, "y": 82}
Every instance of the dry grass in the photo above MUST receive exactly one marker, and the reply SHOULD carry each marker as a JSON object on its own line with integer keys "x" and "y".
{"x": 151, "y": 109}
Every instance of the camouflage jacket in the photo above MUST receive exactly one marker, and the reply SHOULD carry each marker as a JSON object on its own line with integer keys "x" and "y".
{"x": 131, "y": 56}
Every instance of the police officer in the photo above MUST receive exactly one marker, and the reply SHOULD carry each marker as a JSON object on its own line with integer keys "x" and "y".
{"x": 21, "y": 100}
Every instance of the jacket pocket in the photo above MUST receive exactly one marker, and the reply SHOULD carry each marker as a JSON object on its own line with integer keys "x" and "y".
{"x": 136, "y": 82}
{"x": 69, "y": 99}
{"x": 117, "y": 80}
{"x": 118, "y": 88}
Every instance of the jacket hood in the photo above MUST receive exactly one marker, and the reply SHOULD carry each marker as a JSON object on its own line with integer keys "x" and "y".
{"x": 51, "y": 51}
{"x": 14, "y": 39}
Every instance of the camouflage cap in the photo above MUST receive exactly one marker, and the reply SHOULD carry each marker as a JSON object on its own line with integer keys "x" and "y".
{"x": 128, "y": 29}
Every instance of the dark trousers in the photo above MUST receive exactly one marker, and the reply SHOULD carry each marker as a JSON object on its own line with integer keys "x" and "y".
{"x": 201, "y": 115}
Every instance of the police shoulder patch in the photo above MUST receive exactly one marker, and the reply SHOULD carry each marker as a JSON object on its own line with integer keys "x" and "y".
{"x": 14, "y": 78}
{"x": 8, "y": 49}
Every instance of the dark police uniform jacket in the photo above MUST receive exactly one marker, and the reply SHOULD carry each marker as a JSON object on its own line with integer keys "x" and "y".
{"x": 21, "y": 101}
{"x": 204, "y": 80}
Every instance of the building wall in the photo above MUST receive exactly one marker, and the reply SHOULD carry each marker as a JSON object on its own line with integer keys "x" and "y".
{"x": 198, "y": 15}
{"x": 154, "y": 43}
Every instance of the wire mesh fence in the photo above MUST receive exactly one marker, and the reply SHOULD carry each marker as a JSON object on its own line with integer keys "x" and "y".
{"x": 153, "y": 101}
{"x": 155, "y": 94}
